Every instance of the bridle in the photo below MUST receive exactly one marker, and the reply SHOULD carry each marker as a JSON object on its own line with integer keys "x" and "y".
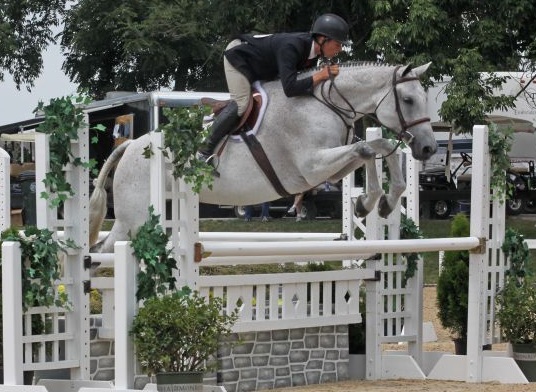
{"x": 351, "y": 114}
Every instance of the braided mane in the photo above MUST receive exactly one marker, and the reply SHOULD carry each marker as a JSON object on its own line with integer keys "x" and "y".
{"x": 364, "y": 64}
{"x": 347, "y": 64}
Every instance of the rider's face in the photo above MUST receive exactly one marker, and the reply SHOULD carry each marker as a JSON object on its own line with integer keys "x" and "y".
{"x": 331, "y": 48}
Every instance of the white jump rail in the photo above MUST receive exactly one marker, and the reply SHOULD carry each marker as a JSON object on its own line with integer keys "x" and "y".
{"x": 215, "y": 250}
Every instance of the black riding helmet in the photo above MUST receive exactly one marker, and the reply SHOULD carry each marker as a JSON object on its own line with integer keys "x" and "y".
{"x": 331, "y": 26}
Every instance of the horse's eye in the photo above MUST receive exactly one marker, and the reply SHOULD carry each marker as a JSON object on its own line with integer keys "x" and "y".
{"x": 408, "y": 100}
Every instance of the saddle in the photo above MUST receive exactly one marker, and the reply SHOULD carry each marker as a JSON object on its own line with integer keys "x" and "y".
{"x": 250, "y": 116}
{"x": 247, "y": 122}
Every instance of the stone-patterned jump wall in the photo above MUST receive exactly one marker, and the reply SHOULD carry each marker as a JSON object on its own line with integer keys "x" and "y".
{"x": 285, "y": 358}
{"x": 102, "y": 364}
{"x": 263, "y": 360}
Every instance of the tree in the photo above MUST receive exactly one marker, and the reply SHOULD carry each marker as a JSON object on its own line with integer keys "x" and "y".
{"x": 461, "y": 38}
{"x": 146, "y": 45}
{"x": 25, "y": 31}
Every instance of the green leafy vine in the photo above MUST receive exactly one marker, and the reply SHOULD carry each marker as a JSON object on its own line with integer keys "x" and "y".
{"x": 150, "y": 248}
{"x": 183, "y": 136}
{"x": 41, "y": 266}
{"x": 516, "y": 300}
{"x": 500, "y": 144}
{"x": 409, "y": 230}
{"x": 63, "y": 117}
{"x": 516, "y": 250}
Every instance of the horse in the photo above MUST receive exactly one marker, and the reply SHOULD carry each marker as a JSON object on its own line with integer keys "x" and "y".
{"x": 308, "y": 141}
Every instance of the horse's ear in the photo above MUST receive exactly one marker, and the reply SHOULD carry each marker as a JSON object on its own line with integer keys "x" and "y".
{"x": 406, "y": 69}
{"x": 421, "y": 69}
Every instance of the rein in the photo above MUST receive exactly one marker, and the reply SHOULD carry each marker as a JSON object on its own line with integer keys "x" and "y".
{"x": 350, "y": 113}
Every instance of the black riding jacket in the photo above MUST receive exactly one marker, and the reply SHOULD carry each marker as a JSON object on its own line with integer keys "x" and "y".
{"x": 275, "y": 56}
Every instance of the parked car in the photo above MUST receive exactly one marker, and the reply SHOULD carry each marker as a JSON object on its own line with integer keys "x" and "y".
{"x": 453, "y": 189}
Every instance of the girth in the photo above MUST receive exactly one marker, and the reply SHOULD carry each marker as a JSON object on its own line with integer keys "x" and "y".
{"x": 247, "y": 122}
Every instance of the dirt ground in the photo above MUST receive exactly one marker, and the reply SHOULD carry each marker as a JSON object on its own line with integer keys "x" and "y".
{"x": 413, "y": 386}
{"x": 443, "y": 343}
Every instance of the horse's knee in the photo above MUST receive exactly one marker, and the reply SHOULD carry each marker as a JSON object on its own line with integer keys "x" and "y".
{"x": 364, "y": 150}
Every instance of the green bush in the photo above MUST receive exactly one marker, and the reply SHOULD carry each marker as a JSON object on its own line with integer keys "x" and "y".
{"x": 453, "y": 284}
{"x": 180, "y": 332}
{"x": 95, "y": 302}
{"x": 516, "y": 301}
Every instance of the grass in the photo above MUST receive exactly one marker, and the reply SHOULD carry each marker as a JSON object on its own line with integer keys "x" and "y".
{"x": 429, "y": 228}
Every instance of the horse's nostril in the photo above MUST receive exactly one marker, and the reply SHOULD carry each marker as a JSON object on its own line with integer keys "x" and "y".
{"x": 429, "y": 151}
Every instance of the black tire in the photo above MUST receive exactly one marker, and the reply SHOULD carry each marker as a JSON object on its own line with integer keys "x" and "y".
{"x": 277, "y": 214}
{"x": 514, "y": 207}
{"x": 336, "y": 211}
{"x": 529, "y": 206}
{"x": 441, "y": 209}
{"x": 309, "y": 210}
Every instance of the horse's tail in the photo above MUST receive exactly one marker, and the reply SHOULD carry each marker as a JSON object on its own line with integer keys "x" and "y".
{"x": 97, "y": 202}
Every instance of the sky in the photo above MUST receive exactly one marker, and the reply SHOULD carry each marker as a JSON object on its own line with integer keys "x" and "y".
{"x": 17, "y": 105}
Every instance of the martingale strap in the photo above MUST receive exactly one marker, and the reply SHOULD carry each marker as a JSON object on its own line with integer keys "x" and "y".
{"x": 264, "y": 163}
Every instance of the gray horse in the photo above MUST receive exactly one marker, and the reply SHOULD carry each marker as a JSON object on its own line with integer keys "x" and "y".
{"x": 306, "y": 140}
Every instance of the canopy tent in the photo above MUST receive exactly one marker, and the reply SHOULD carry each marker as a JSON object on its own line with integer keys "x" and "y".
{"x": 524, "y": 141}
{"x": 517, "y": 124}
{"x": 18, "y": 137}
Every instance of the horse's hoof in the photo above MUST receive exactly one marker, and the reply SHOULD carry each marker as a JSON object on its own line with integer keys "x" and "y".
{"x": 360, "y": 209}
{"x": 366, "y": 151}
{"x": 96, "y": 248}
{"x": 384, "y": 209}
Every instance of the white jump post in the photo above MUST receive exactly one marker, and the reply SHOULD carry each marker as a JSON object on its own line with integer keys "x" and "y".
{"x": 184, "y": 222}
{"x": 479, "y": 228}
{"x": 5, "y": 190}
{"x": 126, "y": 269}
{"x": 12, "y": 313}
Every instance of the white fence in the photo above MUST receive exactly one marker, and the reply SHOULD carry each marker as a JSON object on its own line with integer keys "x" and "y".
{"x": 290, "y": 299}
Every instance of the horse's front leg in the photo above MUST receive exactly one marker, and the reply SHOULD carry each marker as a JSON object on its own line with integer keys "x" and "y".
{"x": 335, "y": 163}
{"x": 397, "y": 185}
{"x": 331, "y": 164}
{"x": 366, "y": 201}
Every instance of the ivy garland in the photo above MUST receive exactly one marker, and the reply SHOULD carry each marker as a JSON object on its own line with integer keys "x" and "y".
{"x": 500, "y": 144}
{"x": 183, "y": 137}
{"x": 63, "y": 117}
{"x": 409, "y": 230}
{"x": 516, "y": 250}
{"x": 157, "y": 262}
{"x": 41, "y": 269}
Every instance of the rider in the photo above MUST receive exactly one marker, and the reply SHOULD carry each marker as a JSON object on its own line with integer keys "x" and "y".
{"x": 267, "y": 57}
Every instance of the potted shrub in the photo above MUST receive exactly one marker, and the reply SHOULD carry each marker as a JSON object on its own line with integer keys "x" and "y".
{"x": 180, "y": 333}
{"x": 453, "y": 288}
{"x": 516, "y": 305}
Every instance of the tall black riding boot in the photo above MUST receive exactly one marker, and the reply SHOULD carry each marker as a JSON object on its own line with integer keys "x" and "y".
{"x": 223, "y": 124}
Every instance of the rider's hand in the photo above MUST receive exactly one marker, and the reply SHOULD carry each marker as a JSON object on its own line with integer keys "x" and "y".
{"x": 325, "y": 73}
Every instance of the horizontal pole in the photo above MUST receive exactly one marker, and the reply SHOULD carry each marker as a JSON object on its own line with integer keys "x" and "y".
{"x": 268, "y": 237}
{"x": 531, "y": 244}
{"x": 236, "y": 260}
{"x": 318, "y": 248}
{"x": 249, "y": 236}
